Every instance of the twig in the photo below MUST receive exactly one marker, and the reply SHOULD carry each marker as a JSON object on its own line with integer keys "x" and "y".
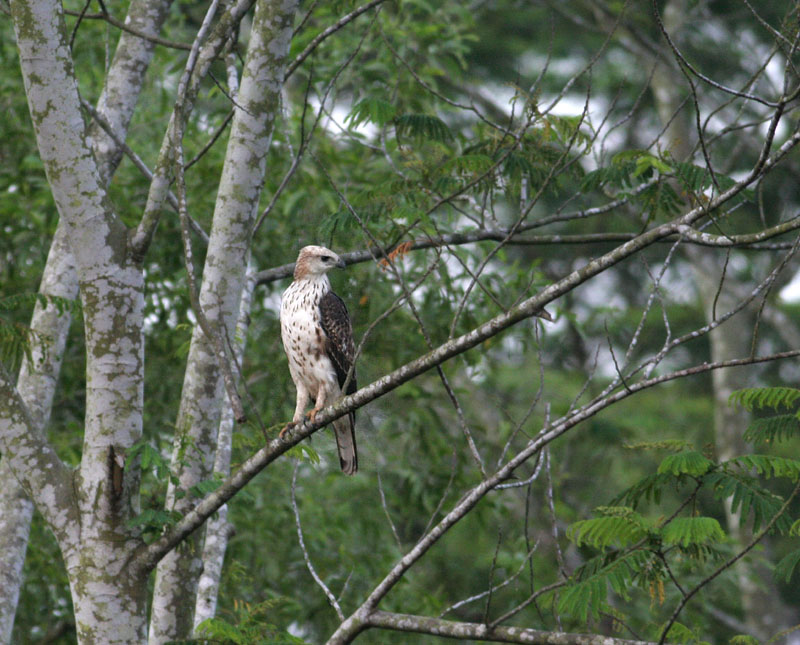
{"x": 491, "y": 579}
{"x": 309, "y": 565}
{"x": 137, "y": 161}
{"x": 328, "y": 32}
{"x": 496, "y": 587}
{"x": 78, "y": 23}
{"x": 685, "y": 63}
{"x": 727, "y": 564}
{"x": 211, "y": 333}
{"x": 388, "y": 516}
{"x": 132, "y": 30}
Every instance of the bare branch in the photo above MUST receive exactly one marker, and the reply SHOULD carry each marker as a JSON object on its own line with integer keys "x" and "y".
{"x": 478, "y": 631}
{"x": 328, "y": 32}
{"x": 162, "y": 175}
{"x": 150, "y": 555}
{"x": 132, "y": 30}
{"x": 306, "y": 557}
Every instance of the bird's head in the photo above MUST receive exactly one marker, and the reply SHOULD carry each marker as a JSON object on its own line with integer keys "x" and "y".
{"x": 314, "y": 261}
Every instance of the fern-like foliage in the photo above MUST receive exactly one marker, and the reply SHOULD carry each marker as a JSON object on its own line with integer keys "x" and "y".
{"x": 680, "y": 633}
{"x": 620, "y": 525}
{"x": 748, "y": 497}
{"x": 16, "y": 339}
{"x": 787, "y": 565}
{"x": 373, "y": 110}
{"x": 764, "y": 397}
{"x": 588, "y": 589}
{"x": 688, "y": 531}
{"x": 29, "y": 298}
{"x": 249, "y": 624}
{"x": 647, "y": 489}
{"x": 469, "y": 165}
{"x": 773, "y": 429}
{"x": 688, "y": 462}
{"x": 768, "y": 465}
{"x": 743, "y": 639}
{"x": 422, "y": 126}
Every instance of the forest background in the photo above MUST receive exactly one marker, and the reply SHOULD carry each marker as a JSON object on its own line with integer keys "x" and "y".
{"x": 625, "y": 469}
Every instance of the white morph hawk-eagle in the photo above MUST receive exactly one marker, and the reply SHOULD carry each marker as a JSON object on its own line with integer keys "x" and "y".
{"x": 318, "y": 340}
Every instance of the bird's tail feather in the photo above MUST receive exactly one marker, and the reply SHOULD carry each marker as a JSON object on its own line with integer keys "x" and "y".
{"x": 344, "y": 429}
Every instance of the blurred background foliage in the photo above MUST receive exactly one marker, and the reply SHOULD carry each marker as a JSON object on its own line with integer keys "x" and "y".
{"x": 390, "y": 140}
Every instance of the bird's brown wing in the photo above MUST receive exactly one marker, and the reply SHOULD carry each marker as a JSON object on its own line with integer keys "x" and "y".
{"x": 337, "y": 327}
{"x": 340, "y": 348}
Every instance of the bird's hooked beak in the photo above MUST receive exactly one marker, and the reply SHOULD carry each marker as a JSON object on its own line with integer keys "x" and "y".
{"x": 341, "y": 264}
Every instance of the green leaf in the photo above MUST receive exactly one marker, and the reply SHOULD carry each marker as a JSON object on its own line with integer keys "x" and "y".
{"x": 648, "y": 161}
{"x": 769, "y": 465}
{"x": 648, "y": 488}
{"x": 689, "y": 462}
{"x": 685, "y": 531}
{"x": 679, "y": 633}
{"x": 772, "y": 429}
{"x": 583, "y": 597}
{"x": 748, "y": 495}
{"x": 787, "y": 565}
{"x": 422, "y": 126}
{"x": 588, "y": 588}
{"x": 693, "y": 178}
{"x": 203, "y": 488}
{"x": 743, "y": 639}
{"x": 764, "y": 397}
{"x": 371, "y": 109}
{"x": 474, "y": 165}
{"x": 622, "y": 525}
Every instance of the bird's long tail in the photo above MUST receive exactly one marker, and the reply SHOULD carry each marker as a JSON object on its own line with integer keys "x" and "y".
{"x": 344, "y": 429}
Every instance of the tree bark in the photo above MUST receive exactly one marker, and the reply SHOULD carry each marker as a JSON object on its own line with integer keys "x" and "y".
{"x": 217, "y": 528}
{"x": 220, "y": 294}
{"x": 36, "y": 384}
{"x": 37, "y": 380}
{"x": 89, "y": 516}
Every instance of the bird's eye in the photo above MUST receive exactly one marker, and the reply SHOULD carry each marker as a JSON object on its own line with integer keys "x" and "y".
{"x": 327, "y": 258}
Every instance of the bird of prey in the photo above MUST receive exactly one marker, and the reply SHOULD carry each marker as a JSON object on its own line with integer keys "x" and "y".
{"x": 318, "y": 340}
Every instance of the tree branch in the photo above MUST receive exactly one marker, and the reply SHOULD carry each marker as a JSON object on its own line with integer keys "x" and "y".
{"x": 149, "y": 556}
{"x": 727, "y": 564}
{"x": 119, "y": 24}
{"x": 479, "y": 631}
{"x": 33, "y": 461}
{"x": 328, "y": 32}
{"x": 162, "y": 177}
{"x": 690, "y": 235}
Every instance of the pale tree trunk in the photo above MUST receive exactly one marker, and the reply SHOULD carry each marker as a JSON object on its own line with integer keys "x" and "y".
{"x": 37, "y": 380}
{"x": 764, "y": 613}
{"x": 223, "y": 279}
{"x": 89, "y": 509}
{"x": 761, "y": 604}
{"x": 36, "y": 384}
{"x": 217, "y": 528}
{"x": 124, "y": 80}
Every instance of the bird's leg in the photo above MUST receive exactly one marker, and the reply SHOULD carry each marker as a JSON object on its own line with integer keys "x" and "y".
{"x": 302, "y": 402}
{"x": 319, "y": 403}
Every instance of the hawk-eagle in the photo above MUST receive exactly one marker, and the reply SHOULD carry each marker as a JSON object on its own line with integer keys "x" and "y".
{"x": 318, "y": 340}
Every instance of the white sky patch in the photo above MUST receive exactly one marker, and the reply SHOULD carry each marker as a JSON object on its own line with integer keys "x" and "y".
{"x": 272, "y": 301}
{"x": 532, "y": 64}
{"x": 791, "y": 292}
